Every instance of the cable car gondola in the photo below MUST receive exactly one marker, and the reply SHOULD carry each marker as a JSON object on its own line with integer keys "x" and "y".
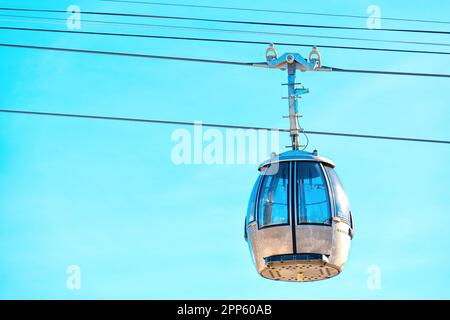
{"x": 299, "y": 223}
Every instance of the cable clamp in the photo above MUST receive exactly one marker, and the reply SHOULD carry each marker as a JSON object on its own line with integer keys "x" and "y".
{"x": 271, "y": 53}
{"x": 315, "y": 57}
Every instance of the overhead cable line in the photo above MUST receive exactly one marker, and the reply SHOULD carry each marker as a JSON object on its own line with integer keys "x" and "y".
{"x": 126, "y": 54}
{"x": 63, "y": 21}
{"x": 215, "y": 125}
{"x": 273, "y": 11}
{"x": 275, "y": 24}
{"x": 220, "y": 40}
{"x": 250, "y": 64}
{"x": 333, "y": 69}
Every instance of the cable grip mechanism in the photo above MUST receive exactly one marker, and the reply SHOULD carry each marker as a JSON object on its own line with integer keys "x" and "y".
{"x": 315, "y": 57}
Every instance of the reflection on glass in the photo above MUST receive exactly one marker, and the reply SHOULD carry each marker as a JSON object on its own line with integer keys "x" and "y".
{"x": 273, "y": 199}
{"x": 313, "y": 200}
{"x": 340, "y": 197}
{"x": 252, "y": 204}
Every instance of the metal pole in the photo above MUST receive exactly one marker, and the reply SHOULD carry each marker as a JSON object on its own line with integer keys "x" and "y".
{"x": 293, "y": 107}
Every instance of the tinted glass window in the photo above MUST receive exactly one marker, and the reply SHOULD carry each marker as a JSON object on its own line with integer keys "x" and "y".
{"x": 273, "y": 198}
{"x": 252, "y": 202}
{"x": 340, "y": 197}
{"x": 313, "y": 200}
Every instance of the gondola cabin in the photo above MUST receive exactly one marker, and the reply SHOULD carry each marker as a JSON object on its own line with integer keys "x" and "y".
{"x": 299, "y": 223}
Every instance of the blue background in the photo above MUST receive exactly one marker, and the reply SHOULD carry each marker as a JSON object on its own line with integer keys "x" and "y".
{"x": 107, "y": 197}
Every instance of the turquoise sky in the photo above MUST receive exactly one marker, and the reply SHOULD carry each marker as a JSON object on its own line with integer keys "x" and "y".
{"x": 106, "y": 196}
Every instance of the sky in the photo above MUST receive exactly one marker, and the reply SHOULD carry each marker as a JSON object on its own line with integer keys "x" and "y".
{"x": 107, "y": 197}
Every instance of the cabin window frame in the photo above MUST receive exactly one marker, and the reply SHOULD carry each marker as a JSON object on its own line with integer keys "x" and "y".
{"x": 288, "y": 194}
{"x": 328, "y": 194}
{"x": 348, "y": 221}
{"x": 253, "y": 203}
